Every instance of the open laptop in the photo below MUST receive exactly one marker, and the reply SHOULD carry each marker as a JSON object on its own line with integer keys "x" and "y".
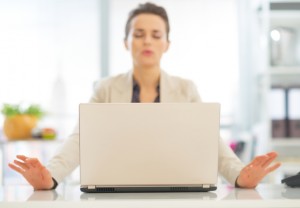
{"x": 165, "y": 147}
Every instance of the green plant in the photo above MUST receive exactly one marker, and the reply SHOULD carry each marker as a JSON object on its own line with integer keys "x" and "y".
{"x": 10, "y": 110}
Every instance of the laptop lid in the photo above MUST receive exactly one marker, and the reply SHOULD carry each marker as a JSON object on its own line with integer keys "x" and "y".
{"x": 148, "y": 147}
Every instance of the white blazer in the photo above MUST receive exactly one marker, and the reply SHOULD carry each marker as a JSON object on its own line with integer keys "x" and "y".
{"x": 118, "y": 89}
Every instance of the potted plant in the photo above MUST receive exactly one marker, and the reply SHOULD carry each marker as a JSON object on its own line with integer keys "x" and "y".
{"x": 19, "y": 122}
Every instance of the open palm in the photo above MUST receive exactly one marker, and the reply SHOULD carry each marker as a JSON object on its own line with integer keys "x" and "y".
{"x": 255, "y": 171}
{"x": 33, "y": 171}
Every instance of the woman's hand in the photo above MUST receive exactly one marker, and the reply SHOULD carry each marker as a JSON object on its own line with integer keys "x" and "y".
{"x": 33, "y": 171}
{"x": 254, "y": 172}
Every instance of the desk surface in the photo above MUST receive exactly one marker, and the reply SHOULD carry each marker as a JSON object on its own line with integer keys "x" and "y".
{"x": 265, "y": 195}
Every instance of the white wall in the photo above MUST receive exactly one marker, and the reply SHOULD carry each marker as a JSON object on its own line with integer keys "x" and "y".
{"x": 204, "y": 45}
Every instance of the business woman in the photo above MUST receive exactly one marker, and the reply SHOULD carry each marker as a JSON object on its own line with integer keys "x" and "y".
{"x": 147, "y": 39}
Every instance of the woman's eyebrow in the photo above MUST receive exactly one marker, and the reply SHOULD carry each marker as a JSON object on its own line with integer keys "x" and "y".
{"x": 156, "y": 31}
{"x": 139, "y": 30}
{"x": 142, "y": 30}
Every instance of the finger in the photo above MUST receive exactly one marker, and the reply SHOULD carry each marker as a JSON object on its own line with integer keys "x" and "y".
{"x": 33, "y": 162}
{"x": 273, "y": 167}
{"x": 22, "y": 157}
{"x": 253, "y": 162}
{"x": 268, "y": 161}
{"x": 258, "y": 160}
{"x": 16, "y": 168}
{"x": 272, "y": 154}
{"x": 22, "y": 165}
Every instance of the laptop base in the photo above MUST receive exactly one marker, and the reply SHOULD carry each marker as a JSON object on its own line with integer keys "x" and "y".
{"x": 87, "y": 189}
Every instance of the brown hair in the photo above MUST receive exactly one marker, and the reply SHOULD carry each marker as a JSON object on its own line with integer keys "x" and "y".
{"x": 148, "y": 8}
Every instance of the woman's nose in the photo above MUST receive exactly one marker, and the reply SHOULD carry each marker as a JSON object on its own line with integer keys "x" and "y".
{"x": 147, "y": 39}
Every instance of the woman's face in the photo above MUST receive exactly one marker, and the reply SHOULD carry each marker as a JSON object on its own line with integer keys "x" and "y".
{"x": 147, "y": 40}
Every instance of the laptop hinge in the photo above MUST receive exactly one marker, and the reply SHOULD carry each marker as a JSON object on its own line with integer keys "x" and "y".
{"x": 91, "y": 187}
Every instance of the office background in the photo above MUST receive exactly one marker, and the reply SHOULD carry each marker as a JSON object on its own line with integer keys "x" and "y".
{"x": 52, "y": 52}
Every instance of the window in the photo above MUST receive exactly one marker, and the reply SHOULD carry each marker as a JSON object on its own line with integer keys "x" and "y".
{"x": 49, "y": 55}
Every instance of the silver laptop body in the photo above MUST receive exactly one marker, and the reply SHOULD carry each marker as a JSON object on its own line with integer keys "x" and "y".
{"x": 149, "y": 147}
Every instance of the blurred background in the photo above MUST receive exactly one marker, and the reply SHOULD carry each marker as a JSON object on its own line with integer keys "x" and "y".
{"x": 244, "y": 54}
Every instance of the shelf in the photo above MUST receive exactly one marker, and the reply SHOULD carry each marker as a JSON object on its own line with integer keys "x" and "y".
{"x": 273, "y": 14}
{"x": 284, "y": 5}
{"x": 294, "y": 142}
{"x": 282, "y": 71}
{"x": 285, "y": 70}
{"x": 285, "y": 76}
{"x": 286, "y": 147}
{"x": 285, "y": 18}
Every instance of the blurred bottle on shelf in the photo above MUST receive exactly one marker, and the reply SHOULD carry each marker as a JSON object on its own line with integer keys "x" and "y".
{"x": 283, "y": 46}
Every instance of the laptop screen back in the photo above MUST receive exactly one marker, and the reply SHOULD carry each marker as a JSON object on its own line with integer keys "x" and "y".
{"x": 149, "y": 144}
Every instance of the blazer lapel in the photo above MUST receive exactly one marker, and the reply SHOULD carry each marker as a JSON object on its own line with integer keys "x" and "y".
{"x": 121, "y": 91}
{"x": 168, "y": 93}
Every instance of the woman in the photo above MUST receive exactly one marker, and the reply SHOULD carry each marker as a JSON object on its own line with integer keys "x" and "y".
{"x": 147, "y": 38}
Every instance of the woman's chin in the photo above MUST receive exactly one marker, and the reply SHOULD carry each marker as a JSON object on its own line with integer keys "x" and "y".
{"x": 148, "y": 64}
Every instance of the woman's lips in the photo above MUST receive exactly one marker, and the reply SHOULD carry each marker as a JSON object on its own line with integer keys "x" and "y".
{"x": 147, "y": 52}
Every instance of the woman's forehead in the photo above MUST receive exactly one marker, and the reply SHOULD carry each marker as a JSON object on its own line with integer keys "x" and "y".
{"x": 148, "y": 22}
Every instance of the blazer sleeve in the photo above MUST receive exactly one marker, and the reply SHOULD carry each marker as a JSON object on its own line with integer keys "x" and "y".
{"x": 229, "y": 165}
{"x": 66, "y": 158}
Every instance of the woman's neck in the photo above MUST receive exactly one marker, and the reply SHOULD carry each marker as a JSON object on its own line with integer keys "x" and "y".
{"x": 147, "y": 77}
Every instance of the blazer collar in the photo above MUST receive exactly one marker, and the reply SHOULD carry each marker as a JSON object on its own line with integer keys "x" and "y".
{"x": 122, "y": 88}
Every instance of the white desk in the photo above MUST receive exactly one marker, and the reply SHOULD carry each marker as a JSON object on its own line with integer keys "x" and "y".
{"x": 264, "y": 195}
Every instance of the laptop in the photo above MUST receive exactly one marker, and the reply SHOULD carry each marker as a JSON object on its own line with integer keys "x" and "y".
{"x": 148, "y": 147}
